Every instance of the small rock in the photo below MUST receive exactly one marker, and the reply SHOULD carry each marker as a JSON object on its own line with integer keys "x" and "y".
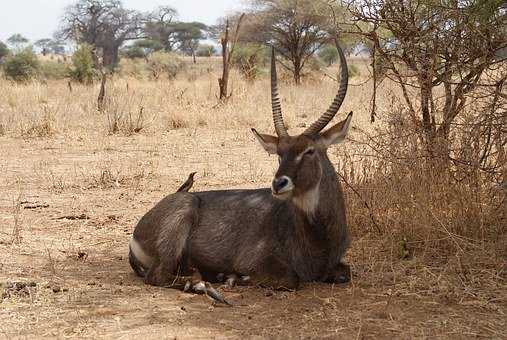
{"x": 18, "y": 289}
{"x": 81, "y": 255}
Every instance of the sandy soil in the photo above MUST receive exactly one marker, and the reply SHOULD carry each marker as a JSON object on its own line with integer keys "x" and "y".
{"x": 67, "y": 210}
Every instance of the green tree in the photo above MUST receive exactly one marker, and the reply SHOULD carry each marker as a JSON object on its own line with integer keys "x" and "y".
{"x": 328, "y": 54}
{"x": 249, "y": 58}
{"x": 296, "y": 28}
{"x": 160, "y": 27}
{"x": 43, "y": 45}
{"x": 17, "y": 41}
{"x": 50, "y": 46}
{"x": 4, "y": 50}
{"x": 142, "y": 48}
{"x": 206, "y": 50}
{"x": 188, "y": 35}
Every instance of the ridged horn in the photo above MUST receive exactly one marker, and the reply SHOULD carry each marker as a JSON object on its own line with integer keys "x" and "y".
{"x": 280, "y": 128}
{"x": 338, "y": 100}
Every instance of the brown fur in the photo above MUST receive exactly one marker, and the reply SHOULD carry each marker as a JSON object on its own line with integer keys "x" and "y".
{"x": 278, "y": 241}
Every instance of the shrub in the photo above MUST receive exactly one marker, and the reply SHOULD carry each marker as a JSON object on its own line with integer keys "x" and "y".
{"x": 4, "y": 50}
{"x": 434, "y": 206}
{"x": 39, "y": 124}
{"x": 163, "y": 63}
{"x": 328, "y": 54}
{"x": 205, "y": 50}
{"x": 125, "y": 115}
{"x": 313, "y": 64}
{"x": 249, "y": 58}
{"x": 53, "y": 70}
{"x": 132, "y": 68}
{"x": 133, "y": 52}
{"x": 353, "y": 71}
{"x": 83, "y": 70}
{"x": 22, "y": 66}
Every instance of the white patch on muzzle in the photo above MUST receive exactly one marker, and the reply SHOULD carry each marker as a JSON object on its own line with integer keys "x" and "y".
{"x": 135, "y": 248}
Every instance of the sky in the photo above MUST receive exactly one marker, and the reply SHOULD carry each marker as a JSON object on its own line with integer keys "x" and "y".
{"x": 37, "y": 19}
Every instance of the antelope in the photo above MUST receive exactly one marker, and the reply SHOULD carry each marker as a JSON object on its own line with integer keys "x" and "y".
{"x": 278, "y": 237}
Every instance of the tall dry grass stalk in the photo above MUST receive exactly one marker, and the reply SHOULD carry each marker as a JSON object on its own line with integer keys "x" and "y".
{"x": 393, "y": 192}
{"x": 421, "y": 205}
{"x": 189, "y": 100}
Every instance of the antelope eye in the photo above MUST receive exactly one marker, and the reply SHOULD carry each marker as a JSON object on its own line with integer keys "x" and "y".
{"x": 309, "y": 152}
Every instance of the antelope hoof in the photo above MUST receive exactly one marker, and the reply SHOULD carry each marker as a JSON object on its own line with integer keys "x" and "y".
{"x": 245, "y": 280}
{"x": 342, "y": 273}
{"x": 231, "y": 280}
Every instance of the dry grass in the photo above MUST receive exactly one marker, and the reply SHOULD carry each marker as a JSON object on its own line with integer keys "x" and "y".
{"x": 428, "y": 256}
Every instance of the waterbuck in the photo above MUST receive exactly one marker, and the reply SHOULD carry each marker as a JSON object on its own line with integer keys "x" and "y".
{"x": 293, "y": 232}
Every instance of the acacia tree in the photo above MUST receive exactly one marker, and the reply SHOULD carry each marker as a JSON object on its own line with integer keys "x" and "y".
{"x": 296, "y": 28}
{"x": 103, "y": 24}
{"x": 163, "y": 29}
{"x": 17, "y": 41}
{"x": 188, "y": 36}
{"x": 160, "y": 27}
{"x": 50, "y": 46}
{"x": 437, "y": 51}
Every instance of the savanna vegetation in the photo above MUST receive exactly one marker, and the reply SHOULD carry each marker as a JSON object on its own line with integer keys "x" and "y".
{"x": 92, "y": 136}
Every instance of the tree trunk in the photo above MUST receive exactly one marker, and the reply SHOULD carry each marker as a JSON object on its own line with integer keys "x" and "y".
{"x": 102, "y": 93}
{"x": 297, "y": 70}
{"x": 226, "y": 57}
{"x": 222, "y": 82}
{"x": 110, "y": 56}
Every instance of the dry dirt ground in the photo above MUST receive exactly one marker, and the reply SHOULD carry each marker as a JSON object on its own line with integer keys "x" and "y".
{"x": 67, "y": 210}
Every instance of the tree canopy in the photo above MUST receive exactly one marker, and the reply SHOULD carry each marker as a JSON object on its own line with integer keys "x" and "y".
{"x": 103, "y": 24}
{"x": 17, "y": 41}
{"x": 295, "y": 28}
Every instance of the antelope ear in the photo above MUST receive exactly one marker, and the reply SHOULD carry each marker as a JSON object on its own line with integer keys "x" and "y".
{"x": 337, "y": 133}
{"x": 268, "y": 142}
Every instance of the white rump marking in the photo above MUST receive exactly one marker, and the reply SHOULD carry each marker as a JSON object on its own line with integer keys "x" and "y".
{"x": 139, "y": 253}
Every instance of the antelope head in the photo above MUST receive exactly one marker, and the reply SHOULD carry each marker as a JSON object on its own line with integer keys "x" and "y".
{"x": 303, "y": 159}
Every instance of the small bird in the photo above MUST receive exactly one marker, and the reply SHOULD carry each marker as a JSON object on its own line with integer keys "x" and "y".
{"x": 198, "y": 285}
{"x": 188, "y": 183}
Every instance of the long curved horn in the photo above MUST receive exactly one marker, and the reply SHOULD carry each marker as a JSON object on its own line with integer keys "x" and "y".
{"x": 338, "y": 100}
{"x": 280, "y": 128}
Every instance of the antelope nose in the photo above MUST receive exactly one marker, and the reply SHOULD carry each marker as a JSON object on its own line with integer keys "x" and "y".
{"x": 281, "y": 184}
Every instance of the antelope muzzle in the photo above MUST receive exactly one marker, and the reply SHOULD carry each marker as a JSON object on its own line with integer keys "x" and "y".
{"x": 282, "y": 186}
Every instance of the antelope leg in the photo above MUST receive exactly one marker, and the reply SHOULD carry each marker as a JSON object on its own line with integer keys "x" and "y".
{"x": 231, "y": 280}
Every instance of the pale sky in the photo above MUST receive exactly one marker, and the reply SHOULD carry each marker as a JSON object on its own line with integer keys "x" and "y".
{"x": 37, "y": 19}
